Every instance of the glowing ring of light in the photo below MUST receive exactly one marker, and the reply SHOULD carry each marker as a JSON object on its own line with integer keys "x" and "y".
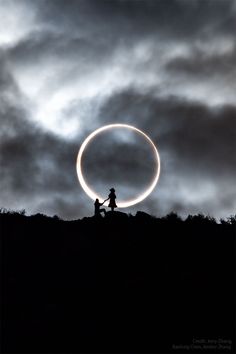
{"x": 90, "y": 192}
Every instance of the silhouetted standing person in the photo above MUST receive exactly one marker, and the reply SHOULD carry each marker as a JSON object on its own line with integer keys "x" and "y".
{"x": 97, "y": 210}
{"x": 112, "y": 197}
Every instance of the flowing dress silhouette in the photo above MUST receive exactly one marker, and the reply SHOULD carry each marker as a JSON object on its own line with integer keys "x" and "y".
{"x": 112, "y": 197}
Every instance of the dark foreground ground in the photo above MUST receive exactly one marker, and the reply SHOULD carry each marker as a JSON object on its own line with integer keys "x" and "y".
{"x": 118, "y": 284}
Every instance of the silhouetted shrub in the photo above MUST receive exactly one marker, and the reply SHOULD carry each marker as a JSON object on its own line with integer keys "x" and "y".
{"x": 200, "y": 219}
{"x": 172, "y": 218}
{"x": 232, "y": 219}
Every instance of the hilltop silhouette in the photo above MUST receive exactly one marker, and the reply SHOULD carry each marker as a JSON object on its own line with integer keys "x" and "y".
{"x": 150, "y": 285}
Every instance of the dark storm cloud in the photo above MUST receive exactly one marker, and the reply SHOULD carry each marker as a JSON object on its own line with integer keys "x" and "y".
{"x": 153, "y": 64}
{"x": 11, "y": 109}
{"x": 38, "y": 166}
{"x": 196, "y": 136}
{"x": 34, "y": 164}
{"x": 46, "y": 46}
{"x": 200, "y": 64}
{"x": 197, "y": 144}
{"x": 176, "y": 18}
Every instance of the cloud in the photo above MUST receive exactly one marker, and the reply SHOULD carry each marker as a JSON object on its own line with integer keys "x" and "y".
{"x": 66, "y": 68}
{"x": 197, "y": 145}
{"x": 201, "y": 63}
{"x": 35, "y": 165}
{"x": 129, "y": 20}
{"x": 212, "y": 67}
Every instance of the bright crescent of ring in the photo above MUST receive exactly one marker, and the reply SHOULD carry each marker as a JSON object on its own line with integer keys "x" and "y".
{"x": 90, "y": 192}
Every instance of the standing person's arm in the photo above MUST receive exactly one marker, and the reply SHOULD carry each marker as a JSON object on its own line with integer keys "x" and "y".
{"x": 104, "y": 201}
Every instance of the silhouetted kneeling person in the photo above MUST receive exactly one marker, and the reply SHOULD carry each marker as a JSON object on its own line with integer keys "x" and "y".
{"x": 112, "y": 197}
{"x": 97, "y": 210}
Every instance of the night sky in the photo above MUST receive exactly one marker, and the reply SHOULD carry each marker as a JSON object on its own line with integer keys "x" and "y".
{"x": 166, "y": 67}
